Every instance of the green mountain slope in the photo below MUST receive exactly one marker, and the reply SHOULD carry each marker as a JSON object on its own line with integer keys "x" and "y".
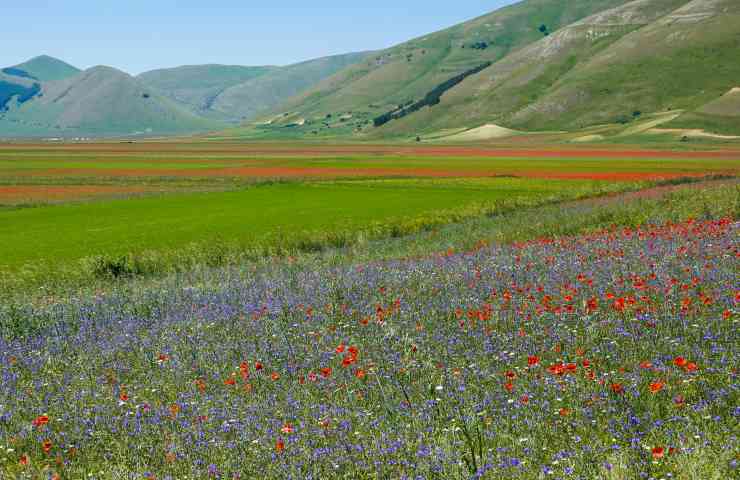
{"x": 407, "y": 72}
{"x": 98, "y": 101}
{"x": 536, "y": 66}
{"x": 541, "y": 86}
{"x": 262, "y": 93}
{"x": 236, "y": 93}
{"x": 198, "y": 86}
{"x": 681, "y": 61}
{"x": 45, "y": 69}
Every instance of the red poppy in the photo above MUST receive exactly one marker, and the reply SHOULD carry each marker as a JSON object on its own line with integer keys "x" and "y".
{"x": 564, "y": 412}
{"x": 655, "y": 387}
{"x": 658, "y": 452}
{"x": 617, "y": 388}
{"x": 509, "y": 374}
{"x": 163, "y": 357}
{"x": 679, "y": 362}
{"x": 123, "y": 397}
{"x": 275, "y": 376}
{"x": 586, "y": 363}
{"x": 24, "y": 460}
{"x": 279, "y": 446}
{"x": 340, "y": 348}
{"x": 646, "y": 365}
{"x": 691, "y": 367}
{"x": 533, "y": 360}
{"x": 46, "y": 445}
{"x": 40, "y": 421}
{"x": 201, "y": 385}
{"x": 287, "y": 429}
{"x": 571, "y": 367}
{"x": 230, "y": 381}
{"x": 360, "y": 373}
{"x": 326, "y": 372}
{"x": 618, "y": 304}
{"x": 509, "y": 386}
{"x": 556, "y": 369}
{"x": 353, "y": 351}
{"x": 258, "y": 366}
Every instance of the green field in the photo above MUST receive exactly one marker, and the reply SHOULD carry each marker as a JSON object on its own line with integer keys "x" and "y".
{"x": 288, "y": 215}
{"x": 150, "y": 208}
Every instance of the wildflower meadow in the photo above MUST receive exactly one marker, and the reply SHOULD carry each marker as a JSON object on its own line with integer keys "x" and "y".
{"x": 609, "y": 354}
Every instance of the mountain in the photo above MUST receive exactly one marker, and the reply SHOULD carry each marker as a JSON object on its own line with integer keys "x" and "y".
{"x": 43, "y": 68}
{"x": 539, "y": 65}
{"x": 679, "y": 61}
{"x": 96, "y": 102}
{"x": 404, "y": 74}
{"x": 236, "y": 93}
{"x": 554, "y": 83}
{"x": 47, "y": 97}
{"x": 604, "y": 67}
{"x": 198, "y": 86}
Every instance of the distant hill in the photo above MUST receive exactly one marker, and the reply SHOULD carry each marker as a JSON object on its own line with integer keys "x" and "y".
{"x": 43, "y": 68}
{"x": 538, "y": 65}
{"x": 47, "y": 97}
{"x": 97, "y": 102}
{"x": 236, "y": 93}
{"x": 198, "y": 86}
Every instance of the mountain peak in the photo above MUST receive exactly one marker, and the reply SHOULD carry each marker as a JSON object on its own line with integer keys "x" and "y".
{"x": 106, "y": 70}
{"x": 47, "y": 68}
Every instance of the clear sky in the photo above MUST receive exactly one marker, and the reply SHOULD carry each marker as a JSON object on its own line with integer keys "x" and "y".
{"x": 139, "y": 35}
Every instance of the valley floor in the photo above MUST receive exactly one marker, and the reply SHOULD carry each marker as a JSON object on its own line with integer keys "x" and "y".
{"x": 593, "y": 339}
{"x": 504, "y": 326}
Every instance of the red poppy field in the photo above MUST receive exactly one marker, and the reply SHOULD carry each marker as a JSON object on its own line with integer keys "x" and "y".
{"x": 216, "y": 163}
{"x": 588, "y": 339}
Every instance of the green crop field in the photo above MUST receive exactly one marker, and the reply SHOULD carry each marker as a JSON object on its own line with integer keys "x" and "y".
{"x": 148, "y": 208}
{"x": 289, "y": 216}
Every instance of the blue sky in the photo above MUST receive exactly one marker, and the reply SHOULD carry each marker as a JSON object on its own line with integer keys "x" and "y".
{"x": 138, "y": 35}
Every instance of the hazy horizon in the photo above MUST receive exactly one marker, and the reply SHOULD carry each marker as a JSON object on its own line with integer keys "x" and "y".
{"x": 138, "y": 37}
